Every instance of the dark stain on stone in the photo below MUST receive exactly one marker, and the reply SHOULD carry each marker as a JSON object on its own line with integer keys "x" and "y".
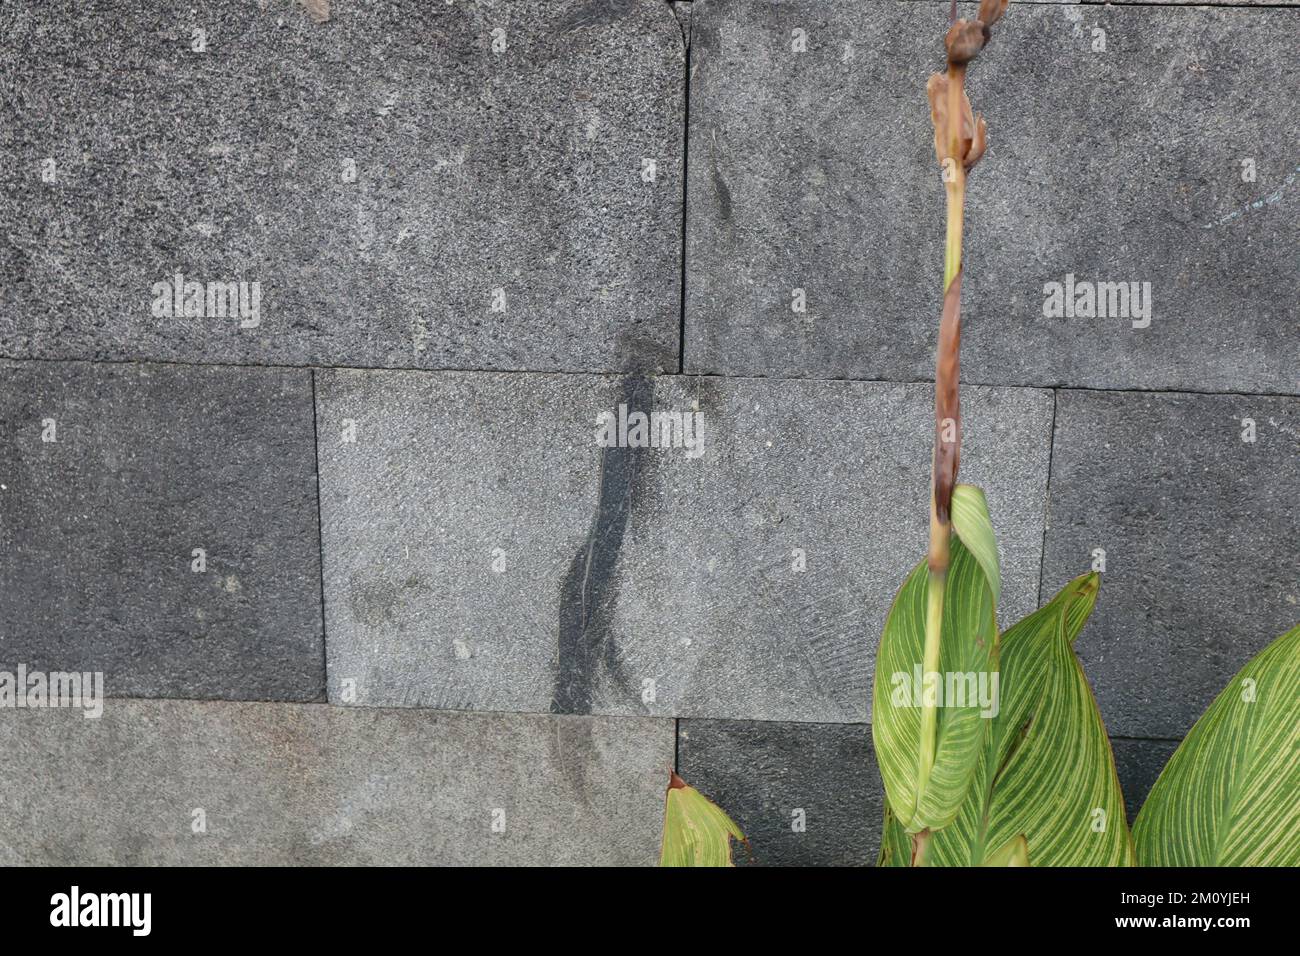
{"x": 724, "y": 194}
{"x": 377, "y": 602}
{"x": 586, "y": 646}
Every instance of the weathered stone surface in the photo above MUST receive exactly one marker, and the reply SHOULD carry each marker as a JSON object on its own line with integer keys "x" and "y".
{"x": 391, "y": 177}
{"x": 482, "y": 554}
{"x": 815, "y": 171}
{"x": 1172, "y": 3}
{"x": 292, "y": 784}
{"x": 1138, "y": 763}
{"x": 804, "y": 794}
{"x": 682, "y": 10}
{"x": 99, "y": 526}
{"x": 1199, "y": 530}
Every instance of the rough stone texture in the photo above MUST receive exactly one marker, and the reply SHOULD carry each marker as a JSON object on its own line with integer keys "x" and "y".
{"x": 98, "y": 528}
{"x": 286, "y": 784}
{"x": 476, "y": 170}
{"x": 1199, "y": 530}
{"x": 682, "y": 10}
{"x": 816, "y": 171}
{"x": 1172, "y": 3}
{"x": 761, "y": 773}
{"x": 643, "y": 565}
{"x": 1139, "y": 763}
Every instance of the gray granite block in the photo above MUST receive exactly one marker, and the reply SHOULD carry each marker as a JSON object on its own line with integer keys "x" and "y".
{"x": 293, "y": 784}
{"x": 1199, "y": 530}
{"x": 113, "y": 479}
{"x": 815, "y": 171}
{"x": 411, "y": 183}
{"x": 804, "y": 794}
{"x": 481, "y": 551}
{"x": 1138, "y": 763}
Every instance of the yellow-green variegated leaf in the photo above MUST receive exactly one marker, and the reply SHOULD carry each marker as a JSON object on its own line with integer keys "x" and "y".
{"x": 895, "y": 843}
{"x": 968, "y": 642}
{"x": 970, "y": 519}
{"x": 696, "y": 831}
{"x": 1230, "y": 794}
{"x": 1015, "y": 852}
{"x": 1048, "y": 774}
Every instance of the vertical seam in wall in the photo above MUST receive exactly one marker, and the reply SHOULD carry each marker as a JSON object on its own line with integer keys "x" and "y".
{"x": 1047, "y": 499}
{"x": 677, "y": 745}
{"x": 686, "y": 144}
{"x": 320, "y": 542}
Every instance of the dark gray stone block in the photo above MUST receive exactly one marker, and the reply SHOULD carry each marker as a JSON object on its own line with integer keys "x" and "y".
{"x": 483, "y": 553}
{"x": 804, "y": 794}
{"x": 763, "y": 773}
{"x": 98, "y": 528}
{"x": 1199, "y": 530}
{"x": 293, "y": 784}
{"x": 1138, "y": 763}
{"x": 387, "y": 176}
{"x": 815, "y": 171}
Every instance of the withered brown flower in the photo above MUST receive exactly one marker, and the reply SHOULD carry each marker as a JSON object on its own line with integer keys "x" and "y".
{"x": 991, "y": 12}
{"x": 964, "y": 40}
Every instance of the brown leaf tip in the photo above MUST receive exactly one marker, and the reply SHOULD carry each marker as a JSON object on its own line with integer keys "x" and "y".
{"x": 675, "y": 782}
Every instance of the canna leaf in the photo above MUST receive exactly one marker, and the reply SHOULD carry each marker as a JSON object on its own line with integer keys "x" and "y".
{"x": 696, "y": 831}
{"x": 970, "y": 519}
{"x": 1230, "y": 794}
{"x": 968, "y": 650}
{"x": 1048, "y": 774}
{"x": 895, "y": 844}
{"x": 1015, "y": 852}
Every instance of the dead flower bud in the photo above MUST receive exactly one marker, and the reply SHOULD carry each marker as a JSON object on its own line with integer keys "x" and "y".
{"x": 964, "y": 40}
{"x": 991, "y": 12}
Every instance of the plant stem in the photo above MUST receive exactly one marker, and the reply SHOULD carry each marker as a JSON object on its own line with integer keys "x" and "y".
{"x": 920, "y": 844}
{"x": 947, "y": 426}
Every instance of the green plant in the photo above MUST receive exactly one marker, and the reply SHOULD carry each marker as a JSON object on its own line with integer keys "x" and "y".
{"x": 1030, "y": 780}
{"x": 696, "y": 831}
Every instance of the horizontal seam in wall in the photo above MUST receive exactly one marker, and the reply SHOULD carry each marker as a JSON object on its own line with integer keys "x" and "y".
{"x": 632, "y": 373}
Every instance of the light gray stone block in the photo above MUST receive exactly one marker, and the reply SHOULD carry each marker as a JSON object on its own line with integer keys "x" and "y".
{"x": 112, "y": 479}
{"x": 482, "y": 552}
{"x": 804, "y": 794}
{"x": 1199, "y": 530}
{"x": 286, "y": 784}
{"x": 412, "y": 184}
{"x": 815, "y": 171}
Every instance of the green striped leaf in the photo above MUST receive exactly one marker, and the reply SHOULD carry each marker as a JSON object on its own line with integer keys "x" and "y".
{"x": 970, "y": 519}
{"x": 895, "y": 843}
{"x": 696, "y": 831}
{"x": 1048, "y": 773}
{"x": 1014, "y": 852}
{"x": 968, "y": 641}
{"x": 1230, "y": 794}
